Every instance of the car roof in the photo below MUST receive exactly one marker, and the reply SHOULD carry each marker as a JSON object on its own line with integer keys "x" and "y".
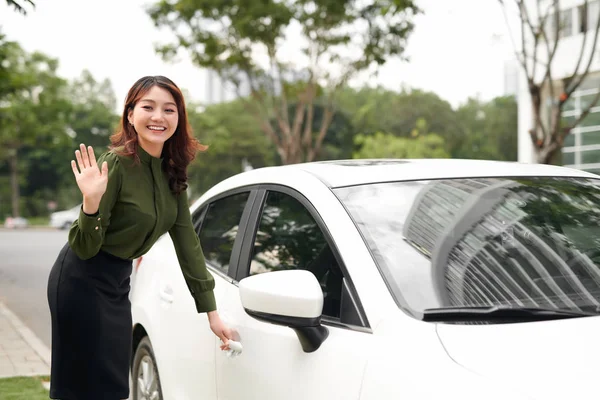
{"x": 357, "y": 172}
{"x": 340, "y": 173}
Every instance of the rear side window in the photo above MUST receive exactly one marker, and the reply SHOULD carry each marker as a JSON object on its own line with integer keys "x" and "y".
{"x": 219, "y": 229}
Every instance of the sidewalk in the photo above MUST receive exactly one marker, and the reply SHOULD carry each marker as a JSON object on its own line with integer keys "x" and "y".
{"x": 22, "y": 353}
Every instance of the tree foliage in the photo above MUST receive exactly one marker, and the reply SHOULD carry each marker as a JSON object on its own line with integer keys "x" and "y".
{"x": 234, "y": 139}
{"x": 489, "y": 129}
{"x": 93, "y": 118}
{"x": 33, "y": 111}
{"x": 382, "y": 110}
{"x": 420, "y": 144}
{"x": 244, "y": 43}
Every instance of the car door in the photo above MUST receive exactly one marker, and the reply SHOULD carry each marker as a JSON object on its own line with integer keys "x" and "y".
{"x": 286, "y": 232}
{"x": 190, "y": 359}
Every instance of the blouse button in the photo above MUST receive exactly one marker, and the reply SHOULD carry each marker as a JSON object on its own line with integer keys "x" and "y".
{"x": 96, "y": 228}
{"x": 98, "y": 219}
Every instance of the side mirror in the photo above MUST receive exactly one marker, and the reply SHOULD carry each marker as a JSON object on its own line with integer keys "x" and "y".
{"x": 290, "y": 298}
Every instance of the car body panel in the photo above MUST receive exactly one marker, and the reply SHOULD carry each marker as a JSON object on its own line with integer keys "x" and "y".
{"x": 274, "y": 366}
{"x": 181, "y": 337}
{"x": 393, "y": 355}
{"x": 564, "y": 354}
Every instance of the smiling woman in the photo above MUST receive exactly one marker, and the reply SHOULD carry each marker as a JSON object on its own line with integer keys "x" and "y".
{"x": 154, "y": 118}
{"x": 132, "y": 195}
{"x": 154, "y": 113}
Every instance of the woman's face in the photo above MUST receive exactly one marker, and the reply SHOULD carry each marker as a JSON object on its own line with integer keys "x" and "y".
{"x": 155, "y": 119}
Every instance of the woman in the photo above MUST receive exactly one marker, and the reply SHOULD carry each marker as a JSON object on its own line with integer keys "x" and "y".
{"x": 137, "y": 194}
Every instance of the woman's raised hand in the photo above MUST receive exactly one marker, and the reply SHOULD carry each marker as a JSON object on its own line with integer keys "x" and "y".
{"x": 92, "y": 181}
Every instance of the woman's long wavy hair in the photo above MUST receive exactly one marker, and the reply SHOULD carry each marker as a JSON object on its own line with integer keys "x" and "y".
{"x": 178, "y": 151}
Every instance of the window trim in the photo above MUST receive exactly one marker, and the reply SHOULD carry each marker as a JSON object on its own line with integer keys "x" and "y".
{"x": 237, "y": 243}
{"x": 250, "y": 235}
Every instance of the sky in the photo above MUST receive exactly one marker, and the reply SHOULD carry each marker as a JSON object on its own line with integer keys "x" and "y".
{"x": 458, "y": 48}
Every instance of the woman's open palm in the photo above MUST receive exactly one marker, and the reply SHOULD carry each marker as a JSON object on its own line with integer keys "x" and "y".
{"x": 91, "y": 180}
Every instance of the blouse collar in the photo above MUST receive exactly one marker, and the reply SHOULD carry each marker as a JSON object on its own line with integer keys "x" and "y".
{"x": 145, "y": 157}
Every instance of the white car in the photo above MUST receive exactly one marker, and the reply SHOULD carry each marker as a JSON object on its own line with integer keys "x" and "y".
{"x": 64, "y": 219}
{"x": 16, "y": 223}
{"x": 382, "y": 279}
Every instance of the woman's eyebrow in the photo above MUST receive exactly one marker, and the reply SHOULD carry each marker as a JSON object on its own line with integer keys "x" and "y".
{"x": 153, "y": 102}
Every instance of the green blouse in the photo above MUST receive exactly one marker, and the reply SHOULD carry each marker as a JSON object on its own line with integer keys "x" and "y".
{"x": 138, "y": 208}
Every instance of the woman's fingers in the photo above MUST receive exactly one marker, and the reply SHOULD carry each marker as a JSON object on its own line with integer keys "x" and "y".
{"x": 91, "y": 156}
{"x": 84, "y": 156}
{"x": 79, "y": 160}
{"x": 74, "y": 167}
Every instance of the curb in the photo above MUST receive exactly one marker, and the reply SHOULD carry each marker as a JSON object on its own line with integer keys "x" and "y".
{"x": 27, "y": 334}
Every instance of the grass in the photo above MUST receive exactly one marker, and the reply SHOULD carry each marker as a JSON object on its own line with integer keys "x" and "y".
{"x": 39, "y": 221}
{"x": 34, "y": 222}
{"x": 23, "y": 388}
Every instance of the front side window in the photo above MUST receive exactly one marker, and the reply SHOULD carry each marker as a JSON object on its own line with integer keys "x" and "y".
{"x": 486, "y": 242}
{"x": 219, "y": 229}
{"x": 288, "y": 237}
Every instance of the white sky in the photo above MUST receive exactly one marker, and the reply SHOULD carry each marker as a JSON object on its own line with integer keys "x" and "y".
{"x": 458, "y": 49}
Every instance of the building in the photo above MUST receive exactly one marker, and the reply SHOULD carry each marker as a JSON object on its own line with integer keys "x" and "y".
{"x": 220, "y": 91}
{"x": 582, "y": 147}
{"x": 511, "y": 78}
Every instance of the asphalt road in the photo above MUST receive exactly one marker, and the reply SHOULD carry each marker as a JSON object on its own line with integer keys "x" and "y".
{"x": 26, "y": 257}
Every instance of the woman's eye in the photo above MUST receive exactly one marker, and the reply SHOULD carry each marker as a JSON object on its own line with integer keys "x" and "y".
{"x": 170, "y": 110}
{"x": 147, "y": 107}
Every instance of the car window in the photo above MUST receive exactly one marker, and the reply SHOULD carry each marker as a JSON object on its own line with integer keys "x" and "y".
{"x": 484, "y": 242}
{"x": 219, "y": 229}
{"x": 288, "y": 237}
{"x": 197, "y": 219}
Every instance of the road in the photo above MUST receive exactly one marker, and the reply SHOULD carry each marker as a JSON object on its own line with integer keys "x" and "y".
{"x": 26, "y": 257}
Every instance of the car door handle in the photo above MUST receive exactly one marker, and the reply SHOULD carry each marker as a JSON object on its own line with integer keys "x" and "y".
{"x": 166, "y": 294}
{"x": 235, "y": 349}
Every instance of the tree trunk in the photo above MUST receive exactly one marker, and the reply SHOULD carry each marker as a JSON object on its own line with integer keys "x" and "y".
{"x": 14, "y": 182}
{"x": 551, "y": 154}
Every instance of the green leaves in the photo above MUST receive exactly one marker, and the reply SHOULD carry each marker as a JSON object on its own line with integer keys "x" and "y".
{"x": 33, "y": 102}
{"x": 385, "y": 145}
{"x": 234, "y": 139}
{"x": 489, "y": 129}
{"x": 242, "y": 41}
{"x": 93, "y": 118}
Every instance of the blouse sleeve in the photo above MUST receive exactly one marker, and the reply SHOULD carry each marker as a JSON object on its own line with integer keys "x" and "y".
{"x": 191, "y": 258}
{"x": 87, "y": 232}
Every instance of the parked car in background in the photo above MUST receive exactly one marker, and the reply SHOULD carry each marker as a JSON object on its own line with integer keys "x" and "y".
{"x": 381, "y": 279}
{"x": 16, "y": 223}
{"x": 64, "y": 219}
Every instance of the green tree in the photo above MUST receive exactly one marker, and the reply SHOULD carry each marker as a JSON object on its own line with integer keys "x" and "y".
{"x": 33, "y": 115}
{"x": 234, "y": 139}
{"x": 242, "y": 42}
{"x": 93, "y": 119}
{"x": 9, "y": 50}
{"x": 421, "y": 144}
{"x": 338, "y": 143}
{"x": 380, "y": 110}
{"x": 490, "y": 129}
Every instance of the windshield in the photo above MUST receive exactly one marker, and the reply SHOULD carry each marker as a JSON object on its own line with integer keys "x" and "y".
{"x": 512, "y": 242}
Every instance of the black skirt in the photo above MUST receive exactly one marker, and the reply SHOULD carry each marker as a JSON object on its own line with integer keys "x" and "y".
{"x": 91, "y": 327}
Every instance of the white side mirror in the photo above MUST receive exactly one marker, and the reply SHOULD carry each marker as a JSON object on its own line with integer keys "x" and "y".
{"x": 292, "y": 298}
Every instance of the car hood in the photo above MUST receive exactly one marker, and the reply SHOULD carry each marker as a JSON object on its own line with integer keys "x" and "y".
{"x": 543, "y": 360}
